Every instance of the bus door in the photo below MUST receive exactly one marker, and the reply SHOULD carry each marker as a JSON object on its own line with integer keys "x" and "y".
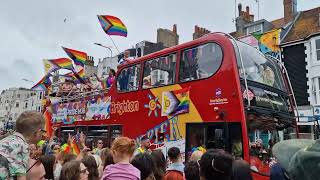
{"x": 106, "y": 133}
{"x": 218, "y": 135}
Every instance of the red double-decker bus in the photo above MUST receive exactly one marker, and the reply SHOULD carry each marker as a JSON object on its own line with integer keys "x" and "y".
{"x": 213, "y": 92}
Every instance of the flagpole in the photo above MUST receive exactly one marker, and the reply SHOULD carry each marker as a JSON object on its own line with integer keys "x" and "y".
{"x": 114, "y": 44}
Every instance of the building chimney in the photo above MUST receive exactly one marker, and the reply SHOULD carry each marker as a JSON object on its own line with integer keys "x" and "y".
{"x": 290, "y": 10}
{"x": 248, "y": 10}
{"x": 174, "y": 29}
{"x": 240, "y": 8}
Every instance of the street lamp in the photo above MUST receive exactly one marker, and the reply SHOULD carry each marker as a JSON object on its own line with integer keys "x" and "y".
{"x": 98, "y": 44}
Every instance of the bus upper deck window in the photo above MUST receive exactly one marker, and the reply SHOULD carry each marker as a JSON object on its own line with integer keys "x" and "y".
{"x": 200, "y": 62}
{"x": 128, "y": 79}
{"x": 160, "y": 71}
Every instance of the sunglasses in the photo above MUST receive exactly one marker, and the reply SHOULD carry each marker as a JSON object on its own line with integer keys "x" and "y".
{"x": 42, "y": 130}
{"x": 83, "y": 171}
{"x": 100, "y": 142}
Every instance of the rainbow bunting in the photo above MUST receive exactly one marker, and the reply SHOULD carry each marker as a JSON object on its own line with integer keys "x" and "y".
{"x": 43, "y": 84}
{"x": 112, "y": 25}
{"x": 79, "y": 58}
{"x": 63, "y": 63}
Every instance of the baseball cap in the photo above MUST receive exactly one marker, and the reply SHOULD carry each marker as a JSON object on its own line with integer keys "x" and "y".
{"x": 299, "y": 157}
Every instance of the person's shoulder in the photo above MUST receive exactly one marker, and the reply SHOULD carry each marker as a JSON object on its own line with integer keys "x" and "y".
{"x": 13, "y": 141}
{"x": 173, "y": 174}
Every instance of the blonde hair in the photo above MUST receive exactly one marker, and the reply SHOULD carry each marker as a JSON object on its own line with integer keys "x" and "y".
{"x": 123, "y": 145}
{"x": 196, "y": 155}
{"x": 29, "y": 122}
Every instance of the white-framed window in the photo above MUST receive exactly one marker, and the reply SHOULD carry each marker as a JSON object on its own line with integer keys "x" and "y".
{"x": 315, "y": 91}
{"x": 318, "y": 49}
{"x": 254, "y": 29}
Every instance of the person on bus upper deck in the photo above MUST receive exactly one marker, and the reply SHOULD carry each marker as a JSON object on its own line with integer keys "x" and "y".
{"x": 124, "y": 80}
{"x": 144, "y": 146}
{"x": 126, "y": 57}
{"x": 111, "y": 77}
{"x": 300, "y": 158}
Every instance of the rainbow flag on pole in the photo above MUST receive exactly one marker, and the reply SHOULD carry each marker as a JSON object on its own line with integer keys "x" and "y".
{"x": 112, "y": 25}
{"x": 63, "y": 63}
{"x": 79, "y": 58}
{"x": 43, "y": 84}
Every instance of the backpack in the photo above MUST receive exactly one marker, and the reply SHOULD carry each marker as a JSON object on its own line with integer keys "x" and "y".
{"x": 173, "y": 175}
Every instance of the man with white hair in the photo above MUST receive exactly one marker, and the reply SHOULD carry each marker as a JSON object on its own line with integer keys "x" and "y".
{"x": 14, "y": 149}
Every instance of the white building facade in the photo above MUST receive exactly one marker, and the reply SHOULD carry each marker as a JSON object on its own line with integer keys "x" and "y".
{"x": 14, "y": 101}
{"x": 106, "y": 64}
{"x": 309, "y": 114}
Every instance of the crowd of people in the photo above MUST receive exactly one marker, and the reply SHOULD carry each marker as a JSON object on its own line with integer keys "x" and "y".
{"x": 25, "y": 154}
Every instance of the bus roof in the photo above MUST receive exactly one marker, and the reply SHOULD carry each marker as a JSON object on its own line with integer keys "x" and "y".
{"x": 207, "y": 37}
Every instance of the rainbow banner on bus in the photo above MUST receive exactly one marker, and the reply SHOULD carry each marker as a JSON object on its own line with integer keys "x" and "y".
{"x": 175, "y": 102}
{"x": 112, "y": 25}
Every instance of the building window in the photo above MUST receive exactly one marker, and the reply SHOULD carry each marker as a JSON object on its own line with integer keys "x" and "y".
{"x": 160, "y": 71}
{"x": 18, "y": 95}
{"x": 17, "y": 105}
{"x": 128, "y": 79}
{"x": 254, "y": 29}
{"x": 314, "y": 91}
{"x": 200, "y": 62}
{"x": 26, "y": 105}
{"x": 318, "y": 49}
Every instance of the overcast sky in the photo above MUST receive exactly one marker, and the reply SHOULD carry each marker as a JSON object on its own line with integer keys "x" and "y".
{"x": 31, "y": 30}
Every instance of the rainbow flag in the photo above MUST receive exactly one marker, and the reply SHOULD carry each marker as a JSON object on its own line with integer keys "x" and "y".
{"x": 75, "y": 148}
{"x": 81, "y": 73}
{"x": 112, "y": 25}
{"x": 63, "y": 63}
{"x": 104, "y": 83}
{"x": 79, "y": 58}
{"x": 43, "y": 84}
{"x": 76, "y": 75}
{"x": 184, "y": 101}
{"x": 65, "y": 148}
